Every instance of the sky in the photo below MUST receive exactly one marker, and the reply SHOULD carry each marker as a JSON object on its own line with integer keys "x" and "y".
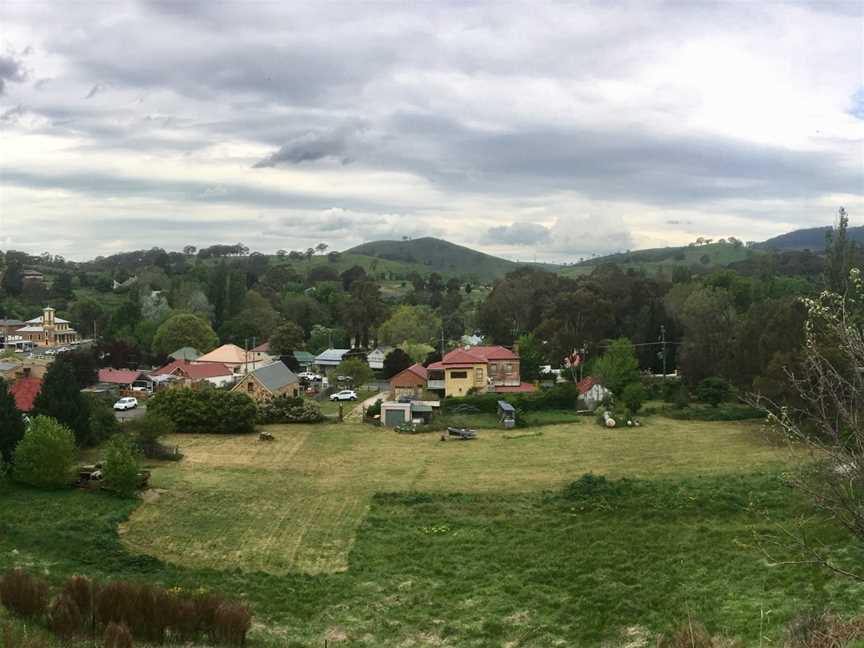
{"x": 530, "y": 130}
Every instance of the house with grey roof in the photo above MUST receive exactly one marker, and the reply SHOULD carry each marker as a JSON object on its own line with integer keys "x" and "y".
{"x": 330, "y": 357}
{"x": 264, "y": 383}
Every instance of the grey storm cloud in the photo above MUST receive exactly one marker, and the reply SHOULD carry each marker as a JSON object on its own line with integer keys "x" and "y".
{"x": 628, "y": 164}
{"x": 106, "y": 185}
{"x": 518, "y": 234}
{"x": 427, "y": 110}
{"x": 313, "y": 146}
{"x": 11, "y": 70}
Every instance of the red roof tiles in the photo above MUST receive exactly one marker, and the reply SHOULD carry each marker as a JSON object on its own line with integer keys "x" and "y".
{"x": 195, "y": 370}
{"x": 478, "y": 354}
{"x": 413, "y": 375}
{"x": 25, "y": 392}
{"x": 118, "y": 376}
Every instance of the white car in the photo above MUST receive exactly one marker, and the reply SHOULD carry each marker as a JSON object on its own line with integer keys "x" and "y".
{"x": 311, "y": 376}
{"x": 345, "y": 394}
{"x": 126, "y": 403}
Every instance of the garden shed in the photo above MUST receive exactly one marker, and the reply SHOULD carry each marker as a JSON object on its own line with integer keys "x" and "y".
{"x": 395, "y": 413}
{"x": 506, "y": 414}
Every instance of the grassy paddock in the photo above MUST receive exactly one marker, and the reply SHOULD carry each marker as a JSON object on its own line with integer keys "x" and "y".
{"x": 295, "y": 503}
{"x": 540, "y": 569}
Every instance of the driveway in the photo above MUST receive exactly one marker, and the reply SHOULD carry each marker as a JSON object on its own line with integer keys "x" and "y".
{"x": 356, "y": 414}
{"x": 127, "y": 415}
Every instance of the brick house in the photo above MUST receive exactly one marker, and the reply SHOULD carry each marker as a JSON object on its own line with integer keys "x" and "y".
{"x": 409, "y": 382}
{"x": 481, "y": 369}
{"x": 266, "y": 382}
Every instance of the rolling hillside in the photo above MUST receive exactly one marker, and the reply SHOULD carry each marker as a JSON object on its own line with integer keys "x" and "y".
{"x": 812, "y": 239}
{"x": 439, "y": 256}
{"x": 654, "y": 259}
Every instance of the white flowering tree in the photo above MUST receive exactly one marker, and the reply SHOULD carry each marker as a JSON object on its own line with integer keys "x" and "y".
{"x": 828, "y": 419}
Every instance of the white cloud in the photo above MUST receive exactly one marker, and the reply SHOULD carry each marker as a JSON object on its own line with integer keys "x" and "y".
{"x": 559, "y": 131}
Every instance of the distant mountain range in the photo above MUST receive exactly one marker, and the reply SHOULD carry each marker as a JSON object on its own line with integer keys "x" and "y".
{"x": 430, "y": 254}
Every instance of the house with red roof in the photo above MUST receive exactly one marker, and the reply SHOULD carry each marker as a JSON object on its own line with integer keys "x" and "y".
{"x": 480, "y": 368}
{"x": 193, "y": 373}
{"x": 25, "y": 391}
{"x": 125, "y": 379}
{"x": 409, "y": 382}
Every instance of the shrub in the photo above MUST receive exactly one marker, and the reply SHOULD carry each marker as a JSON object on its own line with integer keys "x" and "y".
{"x": 206, "y": 605}
{"x": 64, "y": 616}
{"x": 374, "y": 409}
{"x": 45, "y": 457}
{"x": 121, "y": 466}
{"x": 23, "y": 594}
{"x": 206, "y": 410}
{"x": 288, "y": 409}
{"x": 184, "y": 618}
{"x": 231, "y": 623}
{"x": 560, "y": 397}
{"x": 103, "y": 423}
{"x": 82, "y": 590}
{"x": 714, "y": 391}
{"x": 632, "y": 397}
{"x": 151, "y": 614}
{"x": 115, "y": 603}
{"x": 148, "y": 429}
{"x": 725, "y": 413}
{"x": 681, "y": 396}
{"x": 117, "y": 635}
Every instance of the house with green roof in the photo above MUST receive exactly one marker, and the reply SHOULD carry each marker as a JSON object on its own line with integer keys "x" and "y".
{"x": 186, "y": 353}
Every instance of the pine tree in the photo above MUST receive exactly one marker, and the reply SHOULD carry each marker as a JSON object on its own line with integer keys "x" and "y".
{"x": 11, "y": 423}
{"x": 61, "y": 399}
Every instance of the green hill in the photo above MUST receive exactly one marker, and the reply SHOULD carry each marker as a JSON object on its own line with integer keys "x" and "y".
{"x": 439, "y": 256}
{"x": 812, "y": 238}
{"x": 665, "y": 259}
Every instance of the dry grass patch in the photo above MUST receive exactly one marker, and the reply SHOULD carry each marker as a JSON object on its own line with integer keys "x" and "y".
{"x": 295, "y": 504}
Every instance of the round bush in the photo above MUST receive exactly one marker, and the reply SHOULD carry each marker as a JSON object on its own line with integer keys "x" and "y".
{"x": 45, "y": 457}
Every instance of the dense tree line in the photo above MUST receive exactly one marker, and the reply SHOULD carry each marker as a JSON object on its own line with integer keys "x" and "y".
{"x": 742, "y": 322}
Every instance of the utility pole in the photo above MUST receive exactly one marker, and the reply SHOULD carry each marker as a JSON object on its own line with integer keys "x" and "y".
{"x": 663, "y": 348}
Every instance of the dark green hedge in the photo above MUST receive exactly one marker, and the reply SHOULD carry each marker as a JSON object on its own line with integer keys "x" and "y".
{"x": 723, "y": 413}
{"x": 207, "y": 410}
{"x": 560, "y": 397}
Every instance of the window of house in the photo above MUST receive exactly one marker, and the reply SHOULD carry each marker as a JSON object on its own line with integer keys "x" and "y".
{"x": 249, "y": 386}
{"x": 493, "y": 369}
{"x": 458, "y": 374}
{"x": 478, "y": 375}
{"x": 508, "y": 367}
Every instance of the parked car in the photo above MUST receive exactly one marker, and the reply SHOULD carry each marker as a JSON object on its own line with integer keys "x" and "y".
{"x": 311, "y": 376}
{"x": 126, "y": 403}
{"x": 343, "y": 379}
{"x": 345, "y": 394}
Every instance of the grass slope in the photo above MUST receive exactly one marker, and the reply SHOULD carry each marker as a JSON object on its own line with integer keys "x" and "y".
{"x": 296, "y": 503}
{"x": 441, "y": 256}
{"x": 484, "y": 570}
{"x": 666, "y": 259}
